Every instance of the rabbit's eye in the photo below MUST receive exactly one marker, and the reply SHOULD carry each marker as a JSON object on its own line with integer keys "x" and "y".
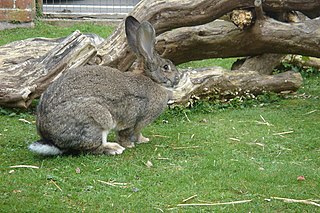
{"x": 166, "y": 67}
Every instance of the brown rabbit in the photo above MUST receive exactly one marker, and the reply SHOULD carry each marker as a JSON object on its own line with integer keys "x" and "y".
{"x": 80, "y": 108}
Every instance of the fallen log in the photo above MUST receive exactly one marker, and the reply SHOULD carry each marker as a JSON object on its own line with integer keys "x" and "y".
{"x": 20, "y": 51}
{"x": 203, "y": 82}
{"x": 25, "y": 77}
{"x": 28, "y": 78}
{"x": 218, "y": 82}
{"x": 223, "y": 39}
{"x": 21, "y": 92}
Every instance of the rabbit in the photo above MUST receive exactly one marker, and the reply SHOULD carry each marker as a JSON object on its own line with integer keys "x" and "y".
{"x": 79, "y": 109}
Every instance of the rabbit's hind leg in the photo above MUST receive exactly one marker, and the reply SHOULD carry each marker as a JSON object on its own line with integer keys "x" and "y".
{"x": 103, "y": 123}
{"x": 139, "y": 138}
{"x": 142, "y": 139}
{"x": 126, "y": 137}
{"x": 108, "y": 147}
{"x": 93, "y": 139}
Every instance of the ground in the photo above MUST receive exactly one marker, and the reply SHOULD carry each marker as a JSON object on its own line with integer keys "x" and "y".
{"x": 243, "y": 150}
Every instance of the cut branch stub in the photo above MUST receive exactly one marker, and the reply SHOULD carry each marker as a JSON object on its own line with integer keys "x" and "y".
{"x": 242, "y": 18}
{"x": 258, "y": 9}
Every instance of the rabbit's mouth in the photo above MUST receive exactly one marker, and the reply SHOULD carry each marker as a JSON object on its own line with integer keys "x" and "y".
{"x": 176, "y": 80}
{"x": 169, "y": 84}
{"x": 172, "y": 83}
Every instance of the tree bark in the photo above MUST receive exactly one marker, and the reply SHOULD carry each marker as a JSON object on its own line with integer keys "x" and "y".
{"x": 264, "y": 64}
{"x": 20, "y": 51}
{"x": 223, "y": 39}
{"x": 23, "y": 79}
{"x": 216, "y": 81}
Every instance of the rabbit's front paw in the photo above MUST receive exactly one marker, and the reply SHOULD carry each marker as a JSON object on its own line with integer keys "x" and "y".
{"x": 113, "y": 148}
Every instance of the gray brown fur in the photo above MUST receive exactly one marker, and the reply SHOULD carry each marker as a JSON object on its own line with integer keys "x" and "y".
{"x": 84, "y": 103}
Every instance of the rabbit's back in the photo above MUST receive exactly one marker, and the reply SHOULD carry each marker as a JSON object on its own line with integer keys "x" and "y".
{"x": 98, "y": 81}
{"x": 91, "y": 91}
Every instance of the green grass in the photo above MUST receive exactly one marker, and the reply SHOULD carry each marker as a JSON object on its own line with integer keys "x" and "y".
{"x": 222, "y": 154}
{"x": 225, "y": 63}
{"x": 48, "y": 31}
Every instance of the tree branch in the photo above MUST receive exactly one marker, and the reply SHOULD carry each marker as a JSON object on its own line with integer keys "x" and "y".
{"x": 223, "y": 39}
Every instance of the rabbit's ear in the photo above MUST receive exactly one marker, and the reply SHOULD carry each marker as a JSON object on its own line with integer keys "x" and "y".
{"x": 131, "y": 27}
{"x": 146, "y": 39}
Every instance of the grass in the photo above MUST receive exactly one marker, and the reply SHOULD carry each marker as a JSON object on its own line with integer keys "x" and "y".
{"x": 223, "y": 154}
{"x": 226, "y": 63}
{"x": 48, "y": 31}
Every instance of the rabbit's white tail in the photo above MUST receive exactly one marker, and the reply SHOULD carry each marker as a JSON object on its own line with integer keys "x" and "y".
{"x": 44, "y": 149}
